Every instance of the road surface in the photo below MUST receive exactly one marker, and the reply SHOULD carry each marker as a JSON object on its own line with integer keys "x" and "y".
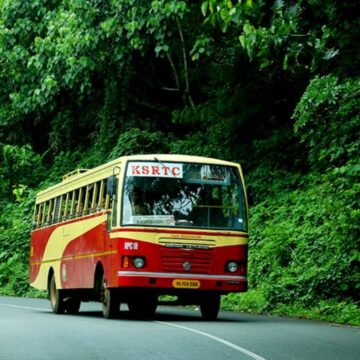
{"x": 29, "y": 330}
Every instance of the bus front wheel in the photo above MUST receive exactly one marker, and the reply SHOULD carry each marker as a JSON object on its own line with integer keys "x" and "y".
{"x": 56, "y": 297}
{"x": 110, "y": 302}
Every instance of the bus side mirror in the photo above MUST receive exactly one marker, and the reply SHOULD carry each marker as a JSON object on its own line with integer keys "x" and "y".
{"x": 250, "y": 196}
{"x": 111, "y": 185}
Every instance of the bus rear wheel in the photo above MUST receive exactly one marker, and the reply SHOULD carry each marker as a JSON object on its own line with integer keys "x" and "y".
{"x": 110, "y": 302}
{"x": 209, "y": 307}
{"x": 56, "y": 297}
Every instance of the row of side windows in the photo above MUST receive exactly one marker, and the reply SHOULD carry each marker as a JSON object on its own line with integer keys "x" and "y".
{"x": 87, "y": 200}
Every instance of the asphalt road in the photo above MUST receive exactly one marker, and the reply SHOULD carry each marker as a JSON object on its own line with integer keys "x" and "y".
{"x": 29, "y": 330}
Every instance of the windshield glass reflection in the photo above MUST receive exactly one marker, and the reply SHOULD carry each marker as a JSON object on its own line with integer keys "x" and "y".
{"x": 184, "y": 195}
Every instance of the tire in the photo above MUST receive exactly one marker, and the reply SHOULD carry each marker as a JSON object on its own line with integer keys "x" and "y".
{"x": 110, "y": 302}
{"x": 143, "y": 308}
{"x": 56, "y": 297}
{"x": 209, "y": 307}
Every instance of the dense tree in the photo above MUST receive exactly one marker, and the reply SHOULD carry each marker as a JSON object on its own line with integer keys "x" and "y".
{"x": 311, "y": 34}
{"x": 272, "y": 84}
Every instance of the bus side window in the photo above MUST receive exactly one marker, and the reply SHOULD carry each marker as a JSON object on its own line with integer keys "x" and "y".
{"x": 86, "y": 207}
{"x": 80, "y": 202}
{"x": 108, "y": 199}
{"x": 43, "y": 214}
{"x": 64, "y": 207}
{"x": 90, "y": 190}
{"x": 52, "y": 212}
{"x": 61, "y": 208}
{"x": 49, "y": 213}
{"x": 94, "y": 197}
{"x": 77, "y": 203}
{"x": 56, "y": 211}
{"x": 72, "y": 204}
{"x": 107, "y": 202}
{"x": 112, "y": 197}
{"x": 35, "y": 216}
{"x": 101, "y": 196}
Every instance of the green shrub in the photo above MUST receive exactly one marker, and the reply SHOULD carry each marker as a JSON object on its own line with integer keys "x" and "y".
{"x": 304, "y": 244}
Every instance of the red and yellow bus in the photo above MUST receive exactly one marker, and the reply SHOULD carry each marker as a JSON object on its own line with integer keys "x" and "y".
{"x": 140, "y": 227}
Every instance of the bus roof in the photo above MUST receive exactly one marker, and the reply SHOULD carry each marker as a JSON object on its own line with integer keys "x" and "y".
{"x": 178, "y": 158}
{"x": 81, "y": 177}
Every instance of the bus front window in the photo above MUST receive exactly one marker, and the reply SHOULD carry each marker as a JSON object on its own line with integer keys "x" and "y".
{"x": 183, "y": 195}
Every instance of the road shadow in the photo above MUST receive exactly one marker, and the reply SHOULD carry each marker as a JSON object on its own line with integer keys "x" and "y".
{"x": 178, "y": 314}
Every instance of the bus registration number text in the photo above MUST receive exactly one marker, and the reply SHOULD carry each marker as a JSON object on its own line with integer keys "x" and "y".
{"x": 186, "y": 284}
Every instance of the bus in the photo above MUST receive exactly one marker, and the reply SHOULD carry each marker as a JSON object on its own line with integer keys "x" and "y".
{"x": 142, "y": 230}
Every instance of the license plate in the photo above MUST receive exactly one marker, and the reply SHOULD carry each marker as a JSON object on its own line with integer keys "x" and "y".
{"x": 186, "y": 284}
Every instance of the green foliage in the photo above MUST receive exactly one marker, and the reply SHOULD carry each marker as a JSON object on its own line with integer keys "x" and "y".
{"x": 138, "y": 141}
{"x": 327, "y": 119}
{"x": 20, "y": 166}
{"x": 300, "y": 34}
{"x": 342, "y": 312}
{"x": 65, "y": 55}
{"x": 14, "y": 280}
{"x": 253, "y": 301}
{"x": 276, "y": 89}
{"x": 12, "y": 276}
{"x": 305, "y": 244}
{"x": 15, "y": 224}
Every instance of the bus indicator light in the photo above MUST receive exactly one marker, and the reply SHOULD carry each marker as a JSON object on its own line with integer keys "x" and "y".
{"x": 125, "y": 262}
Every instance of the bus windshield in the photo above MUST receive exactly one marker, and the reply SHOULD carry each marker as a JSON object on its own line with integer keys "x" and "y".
{"x": 183, "y": 195}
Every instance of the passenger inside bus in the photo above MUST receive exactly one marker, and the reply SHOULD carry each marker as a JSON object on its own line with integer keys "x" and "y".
{"x": 138, "y": 204}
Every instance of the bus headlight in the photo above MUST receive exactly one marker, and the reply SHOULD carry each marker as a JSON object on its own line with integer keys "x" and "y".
{"x": 232, "y": 266}
{"x": 139, "y": 262}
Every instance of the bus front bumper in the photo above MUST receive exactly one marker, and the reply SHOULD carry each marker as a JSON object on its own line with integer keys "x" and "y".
{"x": 181, "y": 281}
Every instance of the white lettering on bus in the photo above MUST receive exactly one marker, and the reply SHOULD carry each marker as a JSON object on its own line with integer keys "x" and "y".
{"x": 128, "y": 245}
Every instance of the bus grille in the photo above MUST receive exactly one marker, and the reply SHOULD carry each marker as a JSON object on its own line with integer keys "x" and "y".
{"x": 172, "y": 260}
